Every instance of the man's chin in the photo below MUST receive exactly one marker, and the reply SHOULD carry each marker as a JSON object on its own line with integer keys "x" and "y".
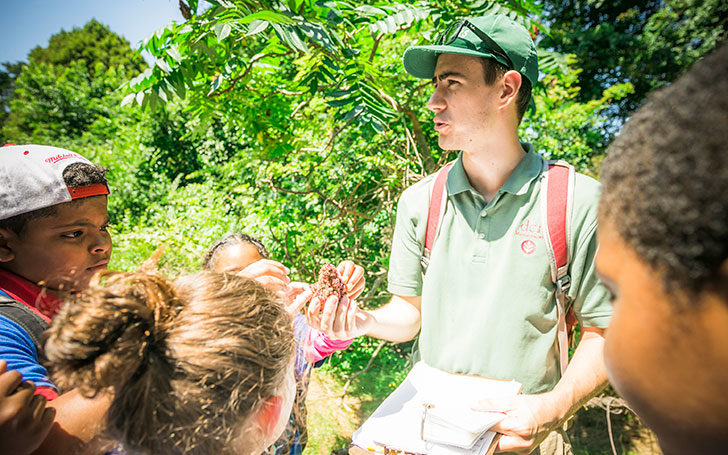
{"x": 447, "y": 145}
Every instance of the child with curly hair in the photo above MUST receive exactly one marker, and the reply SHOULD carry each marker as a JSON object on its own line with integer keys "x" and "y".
{"x": 200, "y": 365}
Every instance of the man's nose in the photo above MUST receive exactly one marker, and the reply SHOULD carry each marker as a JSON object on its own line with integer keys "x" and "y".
{"x": 436, "y": 103}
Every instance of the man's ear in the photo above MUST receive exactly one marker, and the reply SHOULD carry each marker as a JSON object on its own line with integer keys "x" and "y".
{"x": 269, "y": 413}
{"x": 7, "y": 238}
{"x": 511, "y": 84}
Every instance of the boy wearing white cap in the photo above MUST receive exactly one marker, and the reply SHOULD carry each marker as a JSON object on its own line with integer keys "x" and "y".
{"x": 53, "y": 238}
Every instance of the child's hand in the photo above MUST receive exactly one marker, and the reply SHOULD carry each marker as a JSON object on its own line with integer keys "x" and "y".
{"x": 353, "y": 276}
{"x": 338, "y": 319}
{"x": 271, "y": 275}
{"x": 298, "y": 295}
{"x": 24, "y": 418}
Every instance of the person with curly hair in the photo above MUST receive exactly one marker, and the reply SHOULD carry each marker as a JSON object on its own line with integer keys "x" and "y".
{"x": 663, "y": 234}
{"x": 200, "y": 365}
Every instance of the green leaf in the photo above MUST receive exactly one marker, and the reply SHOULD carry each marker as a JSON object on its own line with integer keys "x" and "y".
{"x": 338, "y": 93}
{"x": 377, "y": 125}
{"x": 328, "y": 62}
{"x": 266, "y": 15}
{"x": 222, "y": 3}
{"x": 256, "y": 27}
{"x": 215, "y": 84}
{"x": 290, "y": 38}
{"x": 342, "y": 102}
{"x": 391, "y": 24}
{"x": 319, "y": 34}
{"x": 203, "y": 47}
{"x": 370, "y": 9}
{"x": 222, "y": 30}
{"x": 164, "y": 66}
{"x": 161, "y": 94}
{"x": 173, "y": 52}
{"x": 128, "y": 99}
{"x": 353, "y": 112}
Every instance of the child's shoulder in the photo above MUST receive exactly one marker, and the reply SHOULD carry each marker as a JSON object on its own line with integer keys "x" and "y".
{"x": 19, "y": 351}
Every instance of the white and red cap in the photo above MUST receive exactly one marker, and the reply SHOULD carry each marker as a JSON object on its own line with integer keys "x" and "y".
{"x": 31, "y": 178}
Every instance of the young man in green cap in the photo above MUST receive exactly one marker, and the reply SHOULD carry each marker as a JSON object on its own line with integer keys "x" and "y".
{"x": 486, "y": 304}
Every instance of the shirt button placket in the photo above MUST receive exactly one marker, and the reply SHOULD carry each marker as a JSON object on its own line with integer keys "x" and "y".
{"x": 481, "y": 224}
{"x": 481, "y": 248}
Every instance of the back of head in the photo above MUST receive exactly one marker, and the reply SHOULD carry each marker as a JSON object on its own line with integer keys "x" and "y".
{"x": 665, "y": 179}
{"x": 188, "y": 361}
{"x": 36, "y": 178}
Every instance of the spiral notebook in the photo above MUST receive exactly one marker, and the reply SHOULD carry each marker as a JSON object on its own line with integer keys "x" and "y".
{"x": 430, "y": 413}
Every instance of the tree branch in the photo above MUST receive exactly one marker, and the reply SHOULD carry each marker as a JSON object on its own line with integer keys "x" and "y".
{"x": 423, "y": 148}
{"x": 366, "y": 368}
{"x": 376, "y": 45}
{"x": 314, "y": 191}
{"x": 185, "y": 10}
{"x": 234, "y": 81}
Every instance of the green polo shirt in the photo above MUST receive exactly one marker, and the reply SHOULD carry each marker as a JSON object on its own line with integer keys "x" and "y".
{"x": 488, "y": 305}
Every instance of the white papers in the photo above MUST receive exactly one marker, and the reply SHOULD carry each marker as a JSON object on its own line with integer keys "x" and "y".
{"x": 397, "y": 422}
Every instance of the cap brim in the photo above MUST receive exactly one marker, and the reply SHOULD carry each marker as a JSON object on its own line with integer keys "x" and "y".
{"x": 420, "y": 61}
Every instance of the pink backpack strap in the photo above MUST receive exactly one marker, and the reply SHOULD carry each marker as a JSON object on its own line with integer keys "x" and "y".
{"x": 557, "y": 194}
{"x": 438, "y": 201}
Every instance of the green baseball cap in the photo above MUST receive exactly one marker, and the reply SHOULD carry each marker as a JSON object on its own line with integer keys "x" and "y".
{"x": 495, "y": 36}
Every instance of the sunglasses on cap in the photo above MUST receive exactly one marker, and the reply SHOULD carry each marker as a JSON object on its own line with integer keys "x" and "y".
{"x": 453, "y": 32}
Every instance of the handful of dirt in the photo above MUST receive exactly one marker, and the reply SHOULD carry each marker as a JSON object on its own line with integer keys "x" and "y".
{"x": 328, "y": 284}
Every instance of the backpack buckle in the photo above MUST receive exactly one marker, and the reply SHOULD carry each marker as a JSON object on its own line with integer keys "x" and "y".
{"x": 563, "y": 284}
{"x": 425, "y": 260}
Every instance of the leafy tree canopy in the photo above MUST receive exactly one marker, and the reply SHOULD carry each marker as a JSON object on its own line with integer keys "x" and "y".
{"x": 8, "y": 75}
{"x": 336, "y": 49}
{"x": 94, "y": 44}
{"x": 646, "y": 43}
{"x": 68, "y": 85}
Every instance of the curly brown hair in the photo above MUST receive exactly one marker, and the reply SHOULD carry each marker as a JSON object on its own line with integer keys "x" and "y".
{"x": 665, "y": 179}
{"x": 188, "y": 361}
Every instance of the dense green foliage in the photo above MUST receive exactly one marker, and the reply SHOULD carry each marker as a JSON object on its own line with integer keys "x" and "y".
{"x": 647, "y": 43}
{"x": 68, "y": 86}
{"x": 294, "y": 121}
{"x": 92, "y": 44}
{"x": 8, "y": 76}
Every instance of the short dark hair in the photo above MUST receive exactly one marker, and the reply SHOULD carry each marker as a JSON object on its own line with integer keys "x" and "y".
{"x": 665, "y": 179}
{"x": 208, "y": 261}
{"x": 74, "y": 175}
{"x": 494, "y": 70}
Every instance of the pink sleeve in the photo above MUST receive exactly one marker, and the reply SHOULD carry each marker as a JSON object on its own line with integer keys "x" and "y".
{"x": 318, "y": 346}
{"x": 48, "y": 392}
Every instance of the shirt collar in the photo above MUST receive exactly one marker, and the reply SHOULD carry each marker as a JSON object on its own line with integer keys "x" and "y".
{"x": 527, "y": 170}
{"x": 30, "y": 294}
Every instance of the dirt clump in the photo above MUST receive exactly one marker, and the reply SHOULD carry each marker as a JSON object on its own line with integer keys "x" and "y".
{"x": 329, "y": 283}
